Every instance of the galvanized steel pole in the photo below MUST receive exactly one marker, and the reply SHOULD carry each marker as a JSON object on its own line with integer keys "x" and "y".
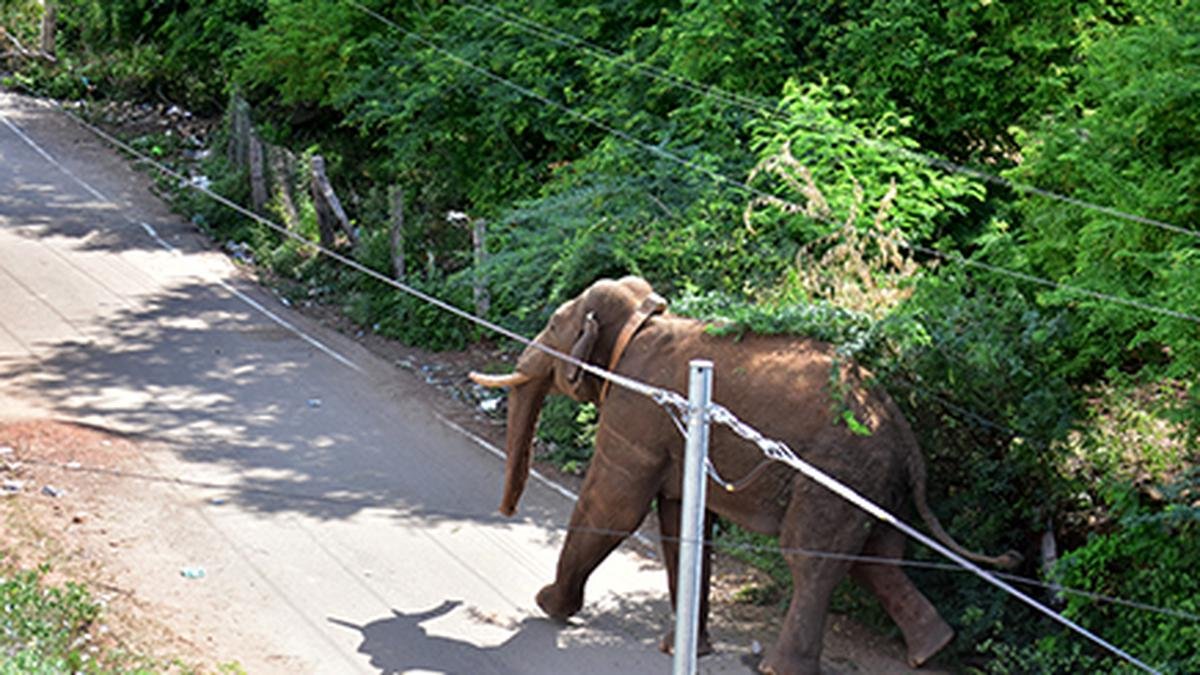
{"x": 687, "y": 596}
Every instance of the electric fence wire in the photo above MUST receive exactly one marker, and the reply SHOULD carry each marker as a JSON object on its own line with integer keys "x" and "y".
{"x": 667, "y": 399}
{"x": 771, "y": 448}
{"x": 750, "y": 104}
{"x": 720, "y": 178}
{"x": 628, "y": 383}
{"x": 715, "y": 544}
{"x": 776, "y": 449}
{"x": 757, "y": 106}
{"x": 780, "y": 451}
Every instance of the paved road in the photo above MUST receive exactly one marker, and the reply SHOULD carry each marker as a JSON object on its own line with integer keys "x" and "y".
{"x": 359, "y": 533}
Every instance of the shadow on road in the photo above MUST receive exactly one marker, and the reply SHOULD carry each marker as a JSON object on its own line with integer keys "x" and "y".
{"x": 402, "y": 643}
{"x": 184, "y": 362}
{"x": 197, "y": 369}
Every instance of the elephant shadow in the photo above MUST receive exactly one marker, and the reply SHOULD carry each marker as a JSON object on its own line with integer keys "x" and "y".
{"x": 400, "y": 644}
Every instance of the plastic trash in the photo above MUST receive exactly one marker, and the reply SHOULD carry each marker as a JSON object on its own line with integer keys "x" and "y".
{"x": 6, "y": 450}
{"x": 13, "y": 486}
{"x": 314, "y": 403}
{"x": 217, "y": 501}
{"x": 51, "y": 491}
{"x": 192, "y": 573}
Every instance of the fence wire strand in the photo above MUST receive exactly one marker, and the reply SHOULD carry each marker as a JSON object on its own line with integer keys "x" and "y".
{"x": 668, "y": 399}
{"x": 714, "y": 544}
{"x": 722, "y": 179}
{"x": 772, "y": 449}
{"x": 780, "y": 451}
{"x": 754, "y": 105}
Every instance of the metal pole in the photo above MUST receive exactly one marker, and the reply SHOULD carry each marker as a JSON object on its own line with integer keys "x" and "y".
{"x": 687, "y": 596}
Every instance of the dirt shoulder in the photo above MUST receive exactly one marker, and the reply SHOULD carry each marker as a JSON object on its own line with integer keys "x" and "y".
{"x": 68, "y": 495}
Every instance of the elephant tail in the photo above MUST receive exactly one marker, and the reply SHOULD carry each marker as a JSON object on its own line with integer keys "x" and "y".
{"x": 916, "y": 475}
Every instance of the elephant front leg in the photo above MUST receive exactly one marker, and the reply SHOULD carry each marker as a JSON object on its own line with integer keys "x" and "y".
{"x": 614, "y": 500}
{"x": 669, "y": 514}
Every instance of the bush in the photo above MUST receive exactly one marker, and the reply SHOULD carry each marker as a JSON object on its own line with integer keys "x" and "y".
{"x": 1096, "y": 102}
{"x": 569, "y": 429}
{"x": 1147, "y": 557}
{"x": 1124, "y": 138}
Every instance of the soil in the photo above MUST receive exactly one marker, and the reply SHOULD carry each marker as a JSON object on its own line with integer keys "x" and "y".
{"x": 63, "y": 509}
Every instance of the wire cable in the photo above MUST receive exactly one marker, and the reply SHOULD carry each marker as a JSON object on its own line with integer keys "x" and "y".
{"x": 620, "y": 380}
{"x": 719, "y": 178}
{"x": 771, "y": 448}
{"x": 780, "y": 451}
{"x": 715, "y": 544}
{"x": 565, "y": 39}
{"x": 719, "y": 414}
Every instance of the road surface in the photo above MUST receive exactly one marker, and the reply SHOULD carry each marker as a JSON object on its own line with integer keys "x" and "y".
{"x": 343, "y": 526}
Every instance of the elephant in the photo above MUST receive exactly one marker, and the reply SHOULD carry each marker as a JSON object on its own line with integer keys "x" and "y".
{"x": 778, "y": 384}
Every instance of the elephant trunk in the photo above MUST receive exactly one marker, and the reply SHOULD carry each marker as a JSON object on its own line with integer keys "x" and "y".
{"x": 528, "y": 387}
{"x": 524, "y": 407}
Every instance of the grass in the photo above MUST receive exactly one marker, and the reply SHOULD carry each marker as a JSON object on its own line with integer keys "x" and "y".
{"x": 46, "y": 628}
{"x": 50, "y": 628}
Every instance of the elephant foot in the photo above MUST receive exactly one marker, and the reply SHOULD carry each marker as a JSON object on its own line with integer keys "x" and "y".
{"x": 776, "y": 662}
{"x": 926, "y": 640}
{"x": 558, "y": 605}
{"x": 783, "y": 659}
{"x": 703, "y": 646}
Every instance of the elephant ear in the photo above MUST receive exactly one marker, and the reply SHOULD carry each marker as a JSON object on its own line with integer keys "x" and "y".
{"x": 582, "y": 349}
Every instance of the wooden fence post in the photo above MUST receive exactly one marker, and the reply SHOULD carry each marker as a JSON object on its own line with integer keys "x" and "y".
{"x": 483, "y": 299}
{"x": 396, "y": 199}
{"x": 283, "y": 173}
{"x": 49, "y": 28}
{"x": 239, "y": 132}
{"x": 258, "y": 178}
{"x": 329, "y": 208}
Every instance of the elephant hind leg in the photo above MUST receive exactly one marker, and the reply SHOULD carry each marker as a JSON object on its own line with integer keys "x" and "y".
{"x": 817, "y": 522}
{"x": 925, "y": 632}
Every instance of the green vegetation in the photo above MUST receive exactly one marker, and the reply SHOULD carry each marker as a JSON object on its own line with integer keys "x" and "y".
{"x": 808, "y": 195}
{"x": 45, "y": 628}
{"x": 49, "y": 628}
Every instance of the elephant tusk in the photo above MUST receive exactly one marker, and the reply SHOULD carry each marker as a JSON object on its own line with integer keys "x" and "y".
{"x": 496, "y": 381}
